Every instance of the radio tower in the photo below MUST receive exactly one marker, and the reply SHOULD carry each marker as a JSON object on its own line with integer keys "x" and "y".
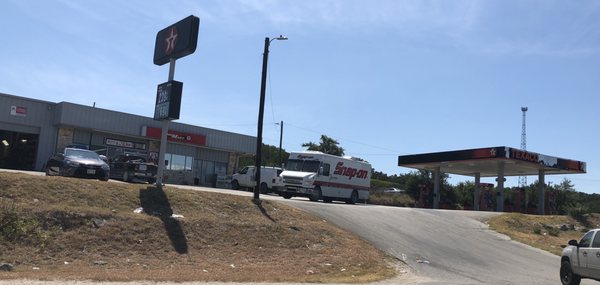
{"x": 523, "y": 179}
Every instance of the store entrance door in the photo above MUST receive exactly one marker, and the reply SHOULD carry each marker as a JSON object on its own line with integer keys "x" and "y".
{"x": 18, "y": 150}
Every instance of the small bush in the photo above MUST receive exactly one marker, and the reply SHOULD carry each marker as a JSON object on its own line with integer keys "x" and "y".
{"x": 19, "y": 226}
{"x": 554, "y": 231}
{"x": 579, "y": 214}
{"x": 537, "y": 230}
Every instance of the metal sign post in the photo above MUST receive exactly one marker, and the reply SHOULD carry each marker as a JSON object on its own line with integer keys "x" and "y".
{"x": 173, "y": 42}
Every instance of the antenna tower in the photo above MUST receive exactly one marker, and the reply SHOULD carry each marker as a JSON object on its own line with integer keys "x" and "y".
{"x": 523, "y": 179}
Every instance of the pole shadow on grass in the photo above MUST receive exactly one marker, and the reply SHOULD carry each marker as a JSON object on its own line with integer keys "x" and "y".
{"x": 262, "y": 209}
{"x": 154, "y": 201}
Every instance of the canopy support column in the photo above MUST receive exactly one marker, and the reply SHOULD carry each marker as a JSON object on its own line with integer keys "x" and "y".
{"x": 500, "y": 193}
{"x": 476, "y": 195}
{"x": 541, "y": 193}
{"x": 436, "y": 188}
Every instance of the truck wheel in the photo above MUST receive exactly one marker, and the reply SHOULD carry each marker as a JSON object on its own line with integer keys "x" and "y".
{"x": 126, "y": 176}
{"x": 263, "y": 188}
{"x": 567, "y": 277}
{"x": 286, "y": 196}
{"x": 316, "y": 195}
{"x": 235, "y": 185}
{"x": 353, "y": 198}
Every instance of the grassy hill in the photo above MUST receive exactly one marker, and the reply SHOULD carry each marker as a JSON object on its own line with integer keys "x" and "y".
{"x": 549, "y": 233}
{"x": 66, "y": 228}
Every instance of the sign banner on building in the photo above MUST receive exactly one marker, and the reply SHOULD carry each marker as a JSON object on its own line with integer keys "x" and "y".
{"x": 125, "y": 144}
{"x": 174, "y": 136}
{"x": 18, "y": 111}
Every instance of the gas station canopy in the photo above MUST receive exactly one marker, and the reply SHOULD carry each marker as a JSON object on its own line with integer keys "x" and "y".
{"x": 484, "y": 162}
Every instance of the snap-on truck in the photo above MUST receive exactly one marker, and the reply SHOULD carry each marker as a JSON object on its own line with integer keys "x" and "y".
{"x": 326, "y": 177}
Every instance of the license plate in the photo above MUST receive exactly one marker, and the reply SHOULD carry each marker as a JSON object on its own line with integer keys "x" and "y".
{"x": 91, "y": 171}
{"x": 142, "y": 167}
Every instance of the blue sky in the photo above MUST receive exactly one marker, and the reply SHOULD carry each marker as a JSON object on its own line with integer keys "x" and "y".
{"x": 384, "y": 78}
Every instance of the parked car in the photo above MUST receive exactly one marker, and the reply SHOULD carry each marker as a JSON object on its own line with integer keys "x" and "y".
{"x": 393, "y": 190}
{"x": 581, "y": 259}
{"x": 269, "y": 179}
{"x": 130, "y": 168}
{"x": 76, "y": 162}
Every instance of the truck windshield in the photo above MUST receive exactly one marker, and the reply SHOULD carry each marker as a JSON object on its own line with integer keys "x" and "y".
{"x": 303, "y": 165}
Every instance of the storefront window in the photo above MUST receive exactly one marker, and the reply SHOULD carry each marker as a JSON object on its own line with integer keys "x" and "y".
{"x": 177, "y": 162}
{"x": 188, "y": 163}
{"x": 221, "y": 168}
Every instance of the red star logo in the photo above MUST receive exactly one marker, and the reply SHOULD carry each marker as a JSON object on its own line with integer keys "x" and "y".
{"x": 171, "y": 41}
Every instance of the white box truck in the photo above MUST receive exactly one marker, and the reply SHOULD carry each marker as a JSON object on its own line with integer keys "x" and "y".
{"x": 269, "y": 179}
{"x": 326, "y": 177}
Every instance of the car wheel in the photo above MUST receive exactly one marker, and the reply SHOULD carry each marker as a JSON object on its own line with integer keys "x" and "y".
{"x": 52, "y": 171}
{"x": 316, "y": 196}
{"x": 353, "y": 198}
{"x": 235, "y": 185}
{"x": 567, "y": 277}
{"x": 126, "y": 176}
{"x": 151, "y": 180}
{"x": 286, "y": 196}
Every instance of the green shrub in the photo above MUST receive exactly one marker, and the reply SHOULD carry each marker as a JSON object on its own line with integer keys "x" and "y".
{"x": 579, "y": 214}
{"x": 537, "y": 230}
{"x": 19, "y": 226}
{"x": 554, "y": 231}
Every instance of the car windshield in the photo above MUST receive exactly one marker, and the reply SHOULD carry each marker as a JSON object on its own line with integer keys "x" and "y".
{"x": 303, "y": 165}
{"x": 80, "y": 153}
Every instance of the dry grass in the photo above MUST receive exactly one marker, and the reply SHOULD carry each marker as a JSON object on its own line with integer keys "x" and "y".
{"x": 221, "y": 237}
{"x": 392, "y": 199}
{"x": 542, "y": 232}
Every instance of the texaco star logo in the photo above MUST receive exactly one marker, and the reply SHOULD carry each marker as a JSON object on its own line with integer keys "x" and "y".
{"x": 493, "y": 152}
{"x": 171, "y": 41}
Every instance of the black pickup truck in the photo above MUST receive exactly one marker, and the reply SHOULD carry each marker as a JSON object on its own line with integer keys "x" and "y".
{"x": 131, "y": 168}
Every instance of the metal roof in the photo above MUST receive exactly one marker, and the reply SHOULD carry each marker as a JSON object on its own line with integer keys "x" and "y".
{"x": 486, "y": 161}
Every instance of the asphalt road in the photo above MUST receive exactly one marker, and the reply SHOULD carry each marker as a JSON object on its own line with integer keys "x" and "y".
{"x": 439, "y": 246}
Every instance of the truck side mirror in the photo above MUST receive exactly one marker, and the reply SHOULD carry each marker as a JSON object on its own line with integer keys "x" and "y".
{"x": 320, "y": 171}
{"x": 573, "y": 243}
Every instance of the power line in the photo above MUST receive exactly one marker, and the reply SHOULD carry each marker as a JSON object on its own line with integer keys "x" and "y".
{"x": 340, "y": 138}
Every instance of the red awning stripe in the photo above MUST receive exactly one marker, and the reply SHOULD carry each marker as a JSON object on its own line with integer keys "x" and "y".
{"x": 340, "y": 185}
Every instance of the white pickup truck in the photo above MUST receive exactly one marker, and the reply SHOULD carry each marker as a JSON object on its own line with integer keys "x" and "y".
{"x": 581, "y": 259}
{"x": 269, "y": 179}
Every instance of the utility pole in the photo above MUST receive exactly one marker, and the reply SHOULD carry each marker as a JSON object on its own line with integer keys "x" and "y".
{"x": 280, "y": 142}
{"x": 261, "y": 110}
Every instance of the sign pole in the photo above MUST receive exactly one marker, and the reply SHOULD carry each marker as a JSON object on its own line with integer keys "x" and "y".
{"x": 172, "y": 42}
{"x": 163, "y": 136}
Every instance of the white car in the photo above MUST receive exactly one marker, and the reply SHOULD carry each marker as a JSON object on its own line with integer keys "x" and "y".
{"x": 581, "y": 259}
{"x": 393, "y": 190}
{"x": 269, "y": 179}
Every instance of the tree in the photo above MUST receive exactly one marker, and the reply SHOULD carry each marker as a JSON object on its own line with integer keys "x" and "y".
{"x": 270, "y": 157}
{"x": 566, "y": 185}
{"x": 326, "y": 145}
